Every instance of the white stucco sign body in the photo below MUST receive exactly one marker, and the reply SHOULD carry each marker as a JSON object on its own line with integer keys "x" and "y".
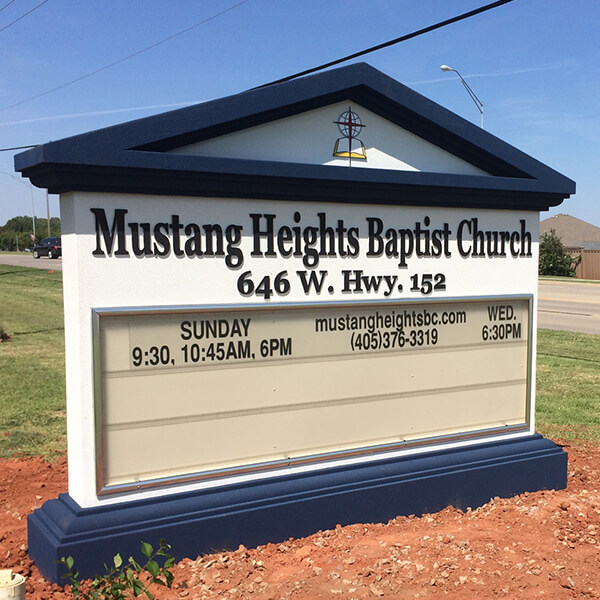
{"x": 193, "y": 385}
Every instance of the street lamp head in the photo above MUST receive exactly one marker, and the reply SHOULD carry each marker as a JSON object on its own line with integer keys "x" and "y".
{"x": 476, "y": 100}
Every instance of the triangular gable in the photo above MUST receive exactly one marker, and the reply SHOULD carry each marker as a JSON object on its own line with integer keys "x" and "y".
{"x": 322, "y": 137}
{"x": 448, "y": 161}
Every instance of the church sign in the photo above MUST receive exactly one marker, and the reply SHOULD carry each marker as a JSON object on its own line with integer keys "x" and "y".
{"x": 312, "y": 299}
{"x": 264, "y": 339}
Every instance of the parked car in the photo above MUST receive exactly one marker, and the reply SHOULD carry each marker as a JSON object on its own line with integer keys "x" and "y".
{"x": 49, "y": 247}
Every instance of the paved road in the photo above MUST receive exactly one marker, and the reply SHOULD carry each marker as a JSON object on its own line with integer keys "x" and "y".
{"x": 571, "y": 306}
{"x": 27, "y": 260}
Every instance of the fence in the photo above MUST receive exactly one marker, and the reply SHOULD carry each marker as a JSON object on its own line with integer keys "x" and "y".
{"x": 589, "y": 267}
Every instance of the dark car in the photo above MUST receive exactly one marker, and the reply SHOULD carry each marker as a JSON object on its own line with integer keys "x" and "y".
{"x": 49, "y": 247}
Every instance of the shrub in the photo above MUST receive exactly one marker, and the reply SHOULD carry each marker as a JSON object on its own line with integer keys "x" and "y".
{"x": 4, "y": 337}
{"x": 554, "y": 258}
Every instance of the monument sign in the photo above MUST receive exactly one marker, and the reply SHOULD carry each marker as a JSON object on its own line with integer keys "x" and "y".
{"x": 308, "y": 304}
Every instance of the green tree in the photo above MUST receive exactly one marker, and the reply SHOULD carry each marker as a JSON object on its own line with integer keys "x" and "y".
{"x": 20, "y": 229}
{"x": 18, "y": 225}
{"x": 54, "y": 226}
{"x": 554, "y": 258}
{"x": 10, "y": 240}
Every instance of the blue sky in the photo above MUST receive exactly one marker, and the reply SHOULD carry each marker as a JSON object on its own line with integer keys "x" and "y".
{"x": 535, "y": 64}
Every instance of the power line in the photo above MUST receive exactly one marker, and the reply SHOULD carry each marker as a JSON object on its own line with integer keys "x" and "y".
{"x": 22, "y": 16}
{"x": 403, "y": 38}
{"x": 121, "y": 60}
{"x": 18, "y": 148}
{"x": 6, "y": 5}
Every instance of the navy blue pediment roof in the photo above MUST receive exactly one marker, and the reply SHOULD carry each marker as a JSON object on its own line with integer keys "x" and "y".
{"x": 134, "y": 157}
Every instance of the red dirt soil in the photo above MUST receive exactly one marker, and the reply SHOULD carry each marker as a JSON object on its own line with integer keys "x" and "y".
{"x": 539, "y": 545}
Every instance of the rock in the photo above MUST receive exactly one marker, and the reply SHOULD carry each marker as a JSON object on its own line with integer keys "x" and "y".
{"x": 567, "y": 583}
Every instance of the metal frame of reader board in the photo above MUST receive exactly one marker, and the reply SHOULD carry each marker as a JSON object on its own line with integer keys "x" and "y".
{"x": 320, "y": 460}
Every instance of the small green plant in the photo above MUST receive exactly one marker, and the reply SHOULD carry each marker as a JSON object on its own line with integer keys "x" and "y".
{"x": 123, "y": 581}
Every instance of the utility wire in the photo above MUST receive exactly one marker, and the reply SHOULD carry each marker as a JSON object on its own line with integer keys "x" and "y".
{"x": 121, "y": 60}
{"x": 22, "y": 16}
{"x": 403, "y": 38}
{"x": 18, "y": 148}
{"x": 7, "y": 4}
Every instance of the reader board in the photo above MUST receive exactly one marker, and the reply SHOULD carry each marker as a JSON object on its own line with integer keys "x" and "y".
{"x": 238, "y": 390}
{"x": 235, "y": 341}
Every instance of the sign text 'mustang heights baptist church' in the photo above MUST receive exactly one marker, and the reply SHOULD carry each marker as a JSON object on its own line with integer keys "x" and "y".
{"x": 268, "y": 237}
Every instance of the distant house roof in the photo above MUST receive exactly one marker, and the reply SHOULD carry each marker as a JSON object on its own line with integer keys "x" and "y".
{"x": 167, "y": 153}
{"x": 573, "y": 232}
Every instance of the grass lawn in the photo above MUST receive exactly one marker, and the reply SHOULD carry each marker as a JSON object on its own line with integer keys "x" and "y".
{"x": 32, "y": 367}
{"x": 567, "y": 279}
{"x": 568, "y": 385}
{"x": 32, "y": 362}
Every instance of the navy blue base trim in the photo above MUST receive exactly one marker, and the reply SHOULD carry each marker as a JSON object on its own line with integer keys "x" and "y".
{"x": 291, "y": 506}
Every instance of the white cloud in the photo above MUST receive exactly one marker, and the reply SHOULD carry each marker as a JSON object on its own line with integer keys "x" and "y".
{"x": 96, "y": 113}
{"x": 561, "y": 65}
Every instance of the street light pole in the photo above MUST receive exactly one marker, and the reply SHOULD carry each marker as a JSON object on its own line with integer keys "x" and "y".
{"x": 32, "y": 210}
{"x": 32, "y": 199}
{"x": 476, "y": 100}
{"x": 48, "y": 212}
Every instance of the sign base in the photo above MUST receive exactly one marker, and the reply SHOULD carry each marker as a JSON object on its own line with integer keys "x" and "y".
{"x": 297, "y": 505}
